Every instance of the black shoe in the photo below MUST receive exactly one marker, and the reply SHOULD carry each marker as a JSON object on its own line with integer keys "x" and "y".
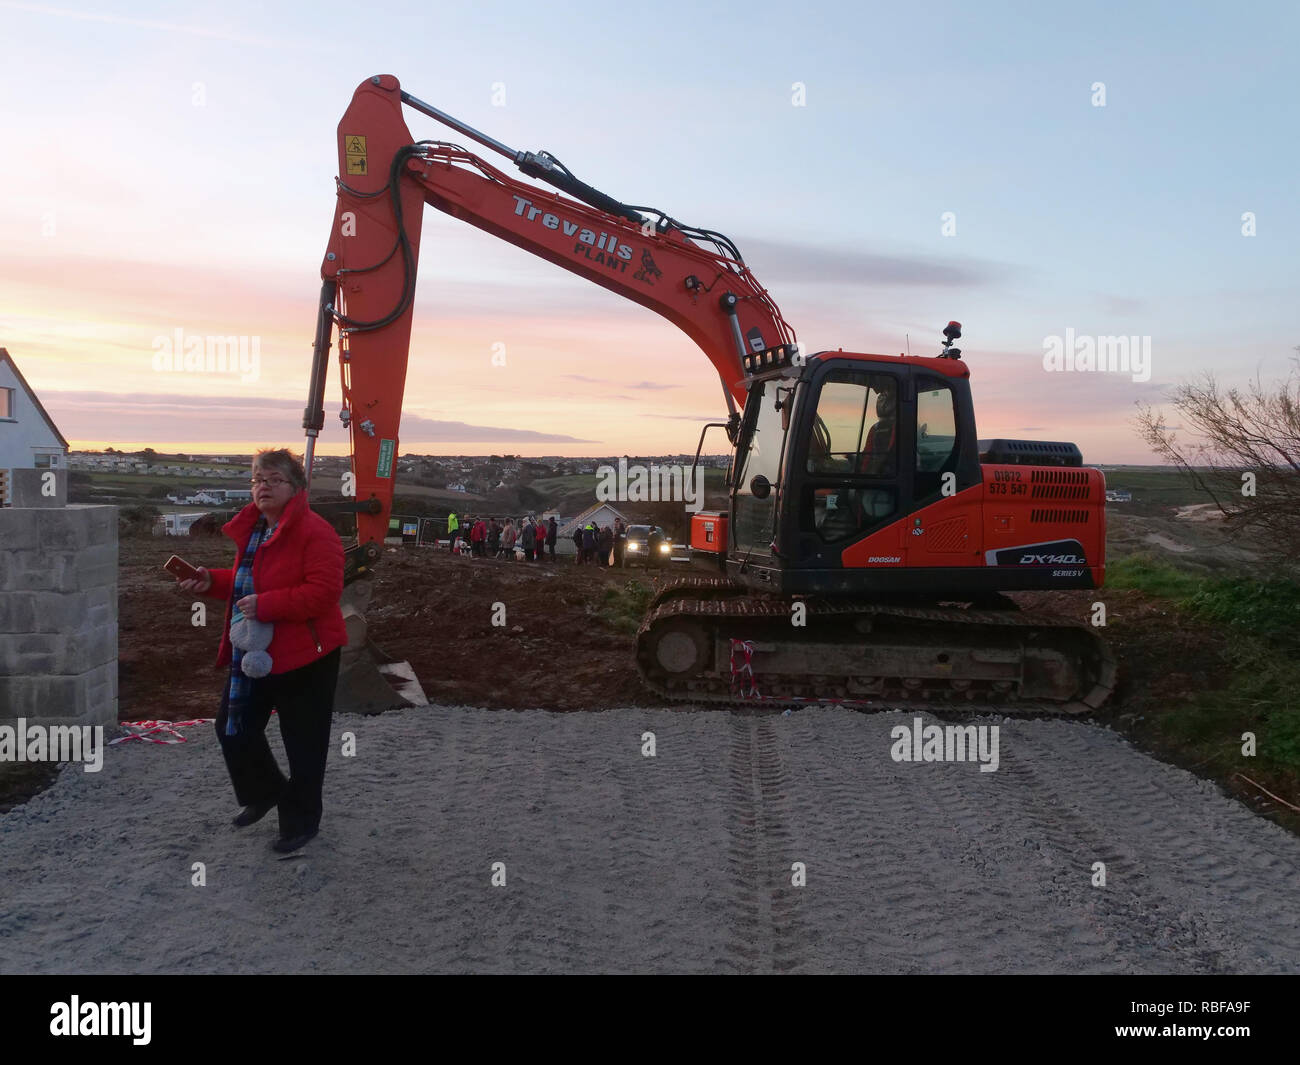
{"x": 285, "y": 844}
{"x": 250, "y": 815}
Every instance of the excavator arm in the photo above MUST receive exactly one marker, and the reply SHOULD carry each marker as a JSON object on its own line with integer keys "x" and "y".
{"x": 694, "y": 278}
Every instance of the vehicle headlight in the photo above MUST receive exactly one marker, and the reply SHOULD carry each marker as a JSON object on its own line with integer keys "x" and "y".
{"x": 633, "y": 547}
{"x": 665, "y": 548}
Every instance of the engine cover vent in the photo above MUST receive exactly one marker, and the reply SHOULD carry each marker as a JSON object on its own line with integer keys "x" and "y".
{"x": 1058, "y": 484}
{"x": 1055, "y": 516}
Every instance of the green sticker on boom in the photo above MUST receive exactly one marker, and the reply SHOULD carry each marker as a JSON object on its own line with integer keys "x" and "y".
{"x": 386, "y": 449}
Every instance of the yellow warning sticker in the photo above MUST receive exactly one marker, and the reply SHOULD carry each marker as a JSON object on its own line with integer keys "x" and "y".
{"x": 354, "y": 149}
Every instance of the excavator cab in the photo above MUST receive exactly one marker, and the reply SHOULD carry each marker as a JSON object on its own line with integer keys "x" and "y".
{"x": 838, "y": 450}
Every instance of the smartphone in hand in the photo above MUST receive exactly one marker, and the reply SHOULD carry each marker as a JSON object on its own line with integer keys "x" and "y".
{"x": 181, "y": 569}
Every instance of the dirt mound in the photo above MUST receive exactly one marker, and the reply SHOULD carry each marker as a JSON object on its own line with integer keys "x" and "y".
{"x": 558, "y": 649}
{"x": 1199, "y": 512}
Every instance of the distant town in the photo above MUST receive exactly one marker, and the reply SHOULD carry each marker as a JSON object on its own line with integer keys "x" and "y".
{"x": 170, "y": 492}
{"x": 475, "y": 474}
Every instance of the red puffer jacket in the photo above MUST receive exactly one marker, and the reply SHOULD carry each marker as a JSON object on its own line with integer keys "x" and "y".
{"x": 298, "y": 577}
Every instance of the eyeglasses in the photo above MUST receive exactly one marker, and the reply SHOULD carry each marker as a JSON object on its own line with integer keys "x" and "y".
{"x": 271, "y": 482}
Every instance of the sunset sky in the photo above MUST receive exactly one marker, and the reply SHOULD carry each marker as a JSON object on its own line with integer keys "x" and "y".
{"x": 171, "y": 166}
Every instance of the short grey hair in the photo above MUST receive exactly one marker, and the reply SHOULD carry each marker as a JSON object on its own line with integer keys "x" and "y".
{"x": 284, "y": 462}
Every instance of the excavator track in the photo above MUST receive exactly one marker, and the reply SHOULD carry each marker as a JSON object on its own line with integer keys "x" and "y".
{"x": 707, "y": 639}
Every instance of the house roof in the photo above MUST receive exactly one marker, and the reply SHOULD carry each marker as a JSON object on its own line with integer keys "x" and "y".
{"x": 5, "y": 357}
{"x": 572, "y": 524}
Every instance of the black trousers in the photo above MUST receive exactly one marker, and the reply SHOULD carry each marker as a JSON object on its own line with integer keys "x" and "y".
{"x": 304, "y": 701}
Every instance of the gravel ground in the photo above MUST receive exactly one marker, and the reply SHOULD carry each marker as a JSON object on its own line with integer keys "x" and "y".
{"x": 617, "y": 862}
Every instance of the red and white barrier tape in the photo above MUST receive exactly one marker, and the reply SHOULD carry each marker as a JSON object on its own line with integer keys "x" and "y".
{"x": 148, "y": 728}
{"x": 742, "y": 677}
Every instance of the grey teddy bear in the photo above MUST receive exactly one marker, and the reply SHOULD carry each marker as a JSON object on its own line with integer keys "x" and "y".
{"x": 253, "y": 637}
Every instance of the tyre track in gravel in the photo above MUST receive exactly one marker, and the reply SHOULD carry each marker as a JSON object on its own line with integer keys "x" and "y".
{"x": 1034, "y": 832}
{"x": 1066, "y": 825}
{"x": 987, "y": 874}
{"x": 939, "y": 868}
{"x": 917, "y": 875}
{"x": 767, "y": 930}
{"x": 1175, "y": 876}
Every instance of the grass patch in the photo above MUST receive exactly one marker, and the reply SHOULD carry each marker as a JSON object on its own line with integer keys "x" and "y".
{"x": 623, "y": 605}
{"x": 1257, "y": 621}
{"x": 1145, "y": 574}
{"x": 566, "y": 484}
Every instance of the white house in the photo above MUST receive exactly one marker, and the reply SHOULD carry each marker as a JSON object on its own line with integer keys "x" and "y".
{"x": 601, "y": 513}
{"x": 28, "y": 436}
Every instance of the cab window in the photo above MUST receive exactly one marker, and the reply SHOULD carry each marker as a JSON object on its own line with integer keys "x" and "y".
{"x": 853, "y": 455}
{"x": 854, "y": 431}
{"x": 936, "y": 435}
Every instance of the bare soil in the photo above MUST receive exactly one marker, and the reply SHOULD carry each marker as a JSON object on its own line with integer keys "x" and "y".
{"x": 1193, "y": 537}
{"x": 430, "y": 607}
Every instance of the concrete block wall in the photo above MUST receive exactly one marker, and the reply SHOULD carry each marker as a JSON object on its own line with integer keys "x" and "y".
{"x": 58, "y": 615}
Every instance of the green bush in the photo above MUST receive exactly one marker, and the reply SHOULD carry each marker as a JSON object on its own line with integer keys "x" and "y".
{"x": 1279, "y": 739}
{"x": 1267, "y": 609}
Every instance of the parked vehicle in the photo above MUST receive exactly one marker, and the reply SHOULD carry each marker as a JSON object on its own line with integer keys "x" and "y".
{"x": 646, "y": 545}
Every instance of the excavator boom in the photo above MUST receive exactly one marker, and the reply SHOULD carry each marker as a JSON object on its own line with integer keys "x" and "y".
{"x": 694, "y": 278}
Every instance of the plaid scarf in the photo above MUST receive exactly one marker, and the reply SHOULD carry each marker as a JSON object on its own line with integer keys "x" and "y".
{"x": 241, "y": 686}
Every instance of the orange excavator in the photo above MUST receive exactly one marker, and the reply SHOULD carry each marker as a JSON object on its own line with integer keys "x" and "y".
{"x": 870, "y": 536}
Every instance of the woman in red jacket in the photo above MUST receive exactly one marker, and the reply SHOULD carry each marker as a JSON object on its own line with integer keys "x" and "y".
{"x": 282, "y": 604}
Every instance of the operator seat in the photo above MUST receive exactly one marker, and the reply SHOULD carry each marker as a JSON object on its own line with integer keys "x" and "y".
{"x": 864, "y": 507}
{"x": 878, "y": 459}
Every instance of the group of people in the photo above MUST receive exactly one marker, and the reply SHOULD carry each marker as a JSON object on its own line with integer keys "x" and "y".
{"x": 599, "y": 545}
{"x": 489, "y": 538}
